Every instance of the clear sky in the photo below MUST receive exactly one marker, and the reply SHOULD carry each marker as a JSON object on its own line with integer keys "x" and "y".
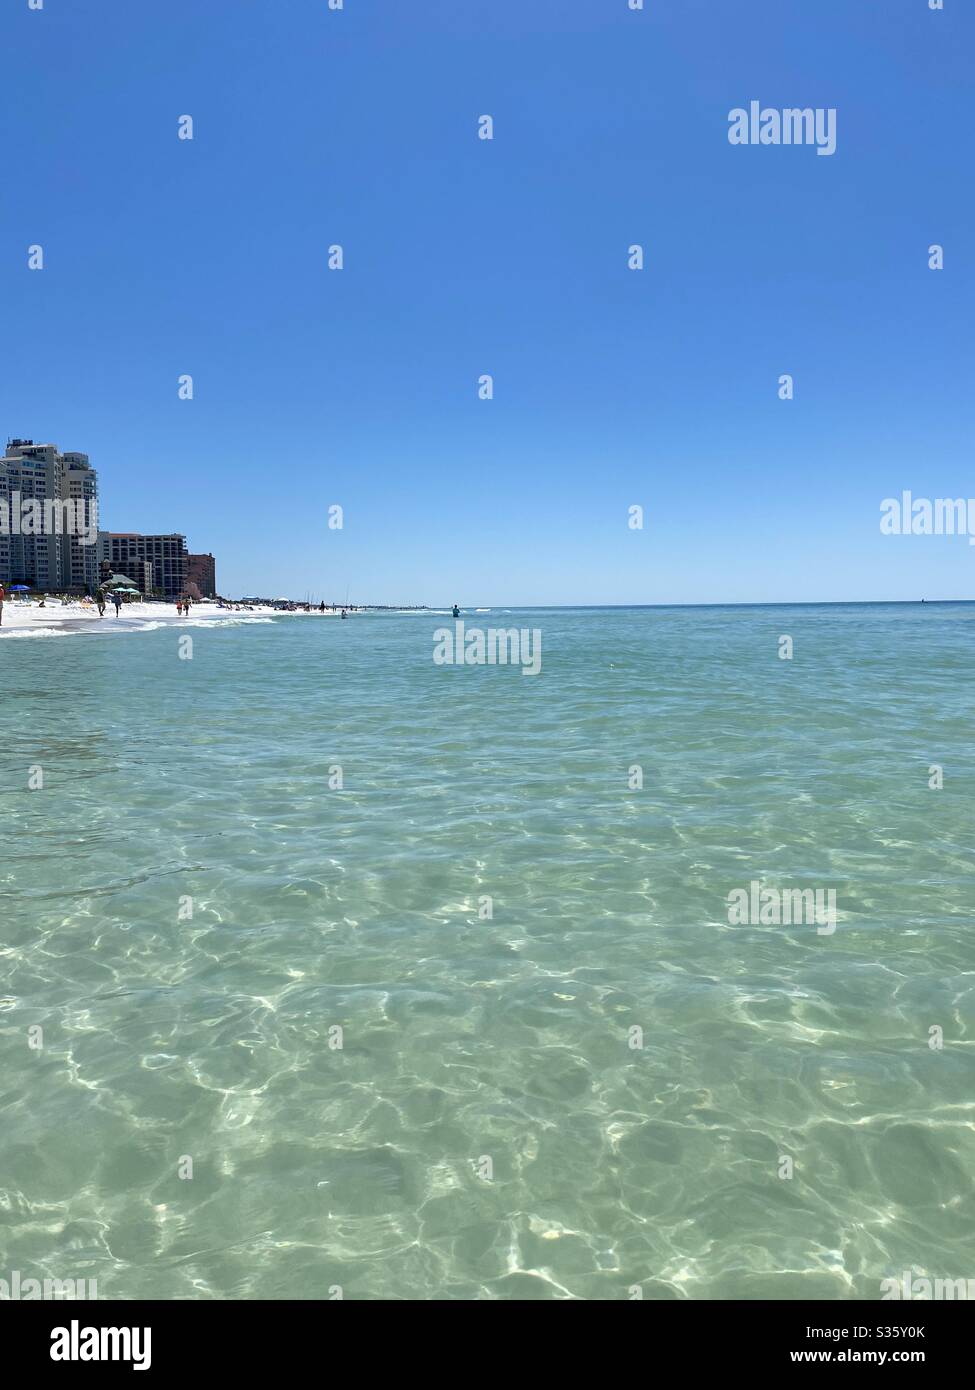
{"x": 465, "y": 256}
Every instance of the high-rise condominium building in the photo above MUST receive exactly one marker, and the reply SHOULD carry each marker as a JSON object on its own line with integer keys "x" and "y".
{"x": 167, "y": 555}
{"x": 48, "y": 518}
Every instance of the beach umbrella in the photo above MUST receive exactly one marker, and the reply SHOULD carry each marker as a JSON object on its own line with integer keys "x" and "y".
{"x": 20, "y": 589}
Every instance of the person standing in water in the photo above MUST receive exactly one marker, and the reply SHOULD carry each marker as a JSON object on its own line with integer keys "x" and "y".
{"x": 100, "y": 602}
{"x": 117, "y": 600}
{"x": 456, "y": 611}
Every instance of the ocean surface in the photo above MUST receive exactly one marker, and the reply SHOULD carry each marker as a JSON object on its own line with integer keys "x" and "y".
{"x": 475, "y": 1024}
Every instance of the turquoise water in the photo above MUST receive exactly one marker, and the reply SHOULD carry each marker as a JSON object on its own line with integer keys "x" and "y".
{"x": 504, "y": 1038}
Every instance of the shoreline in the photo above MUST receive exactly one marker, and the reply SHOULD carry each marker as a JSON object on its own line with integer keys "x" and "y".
{"x": 56, "y": 619}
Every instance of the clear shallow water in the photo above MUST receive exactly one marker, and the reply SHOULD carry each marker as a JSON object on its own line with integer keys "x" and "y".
{"x": 505, "y": 1038}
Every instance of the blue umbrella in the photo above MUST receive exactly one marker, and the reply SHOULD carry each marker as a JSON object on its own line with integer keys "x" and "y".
{"x": 19, "y": 589}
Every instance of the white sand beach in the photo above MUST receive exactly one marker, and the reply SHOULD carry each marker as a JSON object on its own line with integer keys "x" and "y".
{"x": 28, "y": 619}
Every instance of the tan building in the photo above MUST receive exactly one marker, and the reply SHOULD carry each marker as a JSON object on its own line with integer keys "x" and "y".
{"x": 201, "y": 571}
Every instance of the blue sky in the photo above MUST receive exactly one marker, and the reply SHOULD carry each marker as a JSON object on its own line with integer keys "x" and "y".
{"x": 508, "y": 257}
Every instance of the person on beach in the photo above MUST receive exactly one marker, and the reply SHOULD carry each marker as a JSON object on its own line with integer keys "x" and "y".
{"x": 117, "y": 600}
{"x": 100, "y": 601}
{"x": 179, "y": 606}
{"x": 1, "y": 605}
{"x": 186, "y": 608}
